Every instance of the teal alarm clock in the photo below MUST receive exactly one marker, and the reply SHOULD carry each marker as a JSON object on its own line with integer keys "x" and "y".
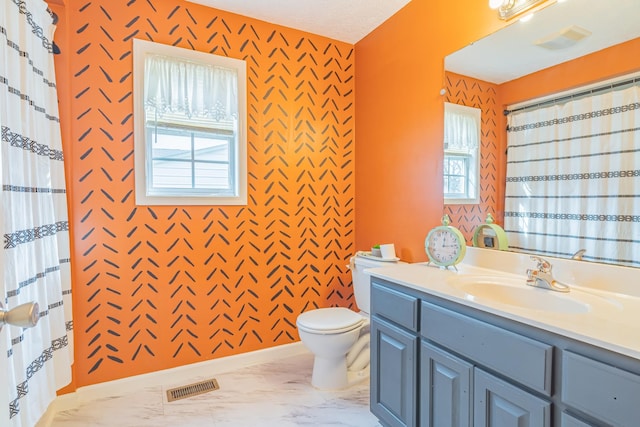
{"x": 445, "y": 245}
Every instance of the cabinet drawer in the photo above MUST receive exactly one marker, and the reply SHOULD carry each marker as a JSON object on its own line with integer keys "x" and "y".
{"x": 567, "y": 420}
{"x": 600, "y": 390}
{"x": 519, "y": 358}
{"x": 395, "y": 306}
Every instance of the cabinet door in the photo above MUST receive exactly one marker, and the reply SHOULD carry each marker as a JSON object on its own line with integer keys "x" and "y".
{"x": 500, "y": 404}
{"x": 445, "y": 389}
{"x": 393, "y": 374}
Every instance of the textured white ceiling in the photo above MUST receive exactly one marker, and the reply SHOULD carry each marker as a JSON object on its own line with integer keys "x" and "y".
{"x": 345, "y": 20}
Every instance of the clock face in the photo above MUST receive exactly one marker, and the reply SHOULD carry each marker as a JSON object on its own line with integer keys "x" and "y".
{"x": 444, "y": 246}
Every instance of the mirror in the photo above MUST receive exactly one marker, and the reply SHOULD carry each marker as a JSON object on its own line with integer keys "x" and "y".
{"x": 486, "y": 69}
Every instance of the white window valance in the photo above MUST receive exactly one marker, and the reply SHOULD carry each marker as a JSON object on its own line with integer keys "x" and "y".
{"x": 173, "y": 85}
{"x": 461, "y": 124}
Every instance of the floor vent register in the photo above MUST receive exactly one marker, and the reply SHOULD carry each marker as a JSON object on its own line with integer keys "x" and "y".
{"x": 192, "y": 390}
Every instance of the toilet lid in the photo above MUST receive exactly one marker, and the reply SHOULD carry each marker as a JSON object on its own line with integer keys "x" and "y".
{"x": 329, "y": 319}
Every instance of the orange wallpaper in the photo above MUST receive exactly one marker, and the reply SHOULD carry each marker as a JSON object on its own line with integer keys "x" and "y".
{"x": 399, "y": 119}
{"x": 157, "y": 287}
{"x": 464, "y": 90}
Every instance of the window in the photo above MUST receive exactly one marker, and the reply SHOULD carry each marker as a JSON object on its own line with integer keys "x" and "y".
{"x": 190, "y": 141}
{"x": 461, "y": 154}
{"x": 456, "y": 175}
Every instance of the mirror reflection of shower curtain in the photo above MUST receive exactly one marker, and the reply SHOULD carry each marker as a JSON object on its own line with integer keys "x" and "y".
{"x": 573, "y": 175}
{"x": 34, "y": 362}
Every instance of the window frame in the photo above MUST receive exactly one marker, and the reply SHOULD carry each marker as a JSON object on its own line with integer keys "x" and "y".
{"x": 473, "y": 170}
{"x": 144, "y": 195}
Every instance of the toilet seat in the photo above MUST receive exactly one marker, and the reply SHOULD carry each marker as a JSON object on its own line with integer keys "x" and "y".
{"x": 334, "y": 320}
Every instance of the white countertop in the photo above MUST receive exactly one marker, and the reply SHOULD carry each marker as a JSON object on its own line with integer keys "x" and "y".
{"x": 611, "y": 320}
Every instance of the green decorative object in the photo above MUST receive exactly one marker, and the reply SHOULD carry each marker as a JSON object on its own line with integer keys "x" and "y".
{"x": 490, "y": 235}
{"x": 445, "y": 245}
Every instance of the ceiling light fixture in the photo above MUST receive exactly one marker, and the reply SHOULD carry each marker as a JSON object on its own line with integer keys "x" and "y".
{"x": 526, "y": 18}
{"x": 507, "y": 9}
{"x": 494, "y": 4}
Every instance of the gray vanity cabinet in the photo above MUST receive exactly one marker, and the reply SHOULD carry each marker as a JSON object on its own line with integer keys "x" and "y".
{"x": 436, "y": 363}
{"x": 417, "y": 380}
{"x": 394, "y": 354}
{"x": 472, "y": 390}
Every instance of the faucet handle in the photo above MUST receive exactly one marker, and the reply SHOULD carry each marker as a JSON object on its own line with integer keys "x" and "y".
{"x": 579, "y": 254}
{"x": 543, "y": 265}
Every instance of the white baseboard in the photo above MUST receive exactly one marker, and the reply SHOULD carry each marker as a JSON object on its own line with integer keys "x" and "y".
{"x": 176, "y": 376}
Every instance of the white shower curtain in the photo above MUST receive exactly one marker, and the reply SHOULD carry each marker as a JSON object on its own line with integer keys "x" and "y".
{"x": 573, "y": 178}
{"x": 34, "y": 362}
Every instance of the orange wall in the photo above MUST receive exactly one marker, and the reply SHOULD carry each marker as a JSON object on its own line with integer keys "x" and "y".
{"x": 158, "y": 287}
{"x": 602, "y": 65}
{"x": 399, "y": 117}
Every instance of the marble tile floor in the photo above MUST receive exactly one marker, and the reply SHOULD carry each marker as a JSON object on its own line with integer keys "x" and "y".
{"x": 266, "y": 395}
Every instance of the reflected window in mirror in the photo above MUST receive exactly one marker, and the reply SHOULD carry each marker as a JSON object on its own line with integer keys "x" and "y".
{"x": 190, "y": 143}
{"x": 461, "y": 154}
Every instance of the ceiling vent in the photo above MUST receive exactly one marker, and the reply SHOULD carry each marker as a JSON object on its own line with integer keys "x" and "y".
{"x": 563, "y": 39}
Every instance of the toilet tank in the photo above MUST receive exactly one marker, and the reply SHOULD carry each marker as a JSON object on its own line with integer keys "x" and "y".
{"x": 361, "y": 280}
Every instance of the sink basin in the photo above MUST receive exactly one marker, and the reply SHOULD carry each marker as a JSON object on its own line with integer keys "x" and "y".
{"x": 514, "y": 292}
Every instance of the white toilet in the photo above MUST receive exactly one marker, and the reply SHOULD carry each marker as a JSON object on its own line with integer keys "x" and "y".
{"x": 339, "y": 337}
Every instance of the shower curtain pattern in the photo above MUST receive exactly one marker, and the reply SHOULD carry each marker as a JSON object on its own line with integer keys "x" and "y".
{"x": 572, "y": 178}
{"x": 35, "y": 259}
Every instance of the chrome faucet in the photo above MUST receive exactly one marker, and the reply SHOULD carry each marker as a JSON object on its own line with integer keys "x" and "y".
{"x": 541, "y": 277}
{"x": 579, "y": 254}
